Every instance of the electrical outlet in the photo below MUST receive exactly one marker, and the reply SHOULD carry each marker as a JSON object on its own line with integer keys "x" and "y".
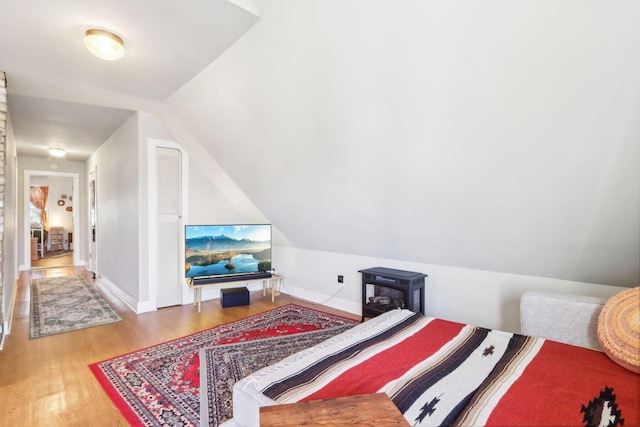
{"x": 340, "y": 278}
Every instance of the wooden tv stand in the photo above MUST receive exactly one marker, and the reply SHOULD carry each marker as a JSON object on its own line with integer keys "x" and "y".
{"x": 274, "y": 282}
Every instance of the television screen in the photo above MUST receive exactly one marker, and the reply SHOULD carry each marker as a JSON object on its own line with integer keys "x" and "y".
{"x": 227, "y": 250}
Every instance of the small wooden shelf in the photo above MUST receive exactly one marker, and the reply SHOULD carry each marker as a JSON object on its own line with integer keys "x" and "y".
{"x": 56, "y": 237}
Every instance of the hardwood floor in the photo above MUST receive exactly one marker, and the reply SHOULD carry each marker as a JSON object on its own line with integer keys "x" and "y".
{"x": 63, "y": 261}
{"x": 47, "y": 381}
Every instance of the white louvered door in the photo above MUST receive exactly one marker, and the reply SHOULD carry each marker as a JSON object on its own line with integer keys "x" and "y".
{"x": 169, "y": 220}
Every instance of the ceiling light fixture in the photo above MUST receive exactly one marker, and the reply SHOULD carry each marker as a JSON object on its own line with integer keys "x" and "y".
{"x": 57, "y": 152}
{"x": 104, "y": 45}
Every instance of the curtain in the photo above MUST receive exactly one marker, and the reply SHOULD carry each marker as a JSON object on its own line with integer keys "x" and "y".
{"x": 39, "y": 196}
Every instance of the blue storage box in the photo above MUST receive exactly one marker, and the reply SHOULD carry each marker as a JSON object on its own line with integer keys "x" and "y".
{"x": 232, "y": 297}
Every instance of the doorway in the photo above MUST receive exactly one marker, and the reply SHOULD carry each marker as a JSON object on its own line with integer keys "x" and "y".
{"x": 51, "y": 219}
{"x": 93, "y": 222}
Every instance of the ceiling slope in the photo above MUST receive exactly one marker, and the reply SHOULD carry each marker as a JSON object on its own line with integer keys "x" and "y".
{"x": 493, "y": 136}
{"x": 59, "y": 94}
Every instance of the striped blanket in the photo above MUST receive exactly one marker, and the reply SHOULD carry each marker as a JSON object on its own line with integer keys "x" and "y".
{"x": 444, "y": 373}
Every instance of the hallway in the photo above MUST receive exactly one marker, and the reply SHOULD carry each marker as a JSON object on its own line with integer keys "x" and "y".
{"x": 47, "y": 382}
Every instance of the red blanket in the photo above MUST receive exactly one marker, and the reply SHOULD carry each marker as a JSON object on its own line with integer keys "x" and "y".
{"x": 444, "y": 373}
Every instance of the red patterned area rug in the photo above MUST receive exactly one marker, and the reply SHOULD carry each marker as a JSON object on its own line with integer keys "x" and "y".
{"x": 160, "y": 385}
{"x": 221, "y": 366}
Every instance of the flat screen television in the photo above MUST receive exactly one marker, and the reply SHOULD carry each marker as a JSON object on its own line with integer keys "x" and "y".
{"x": 227, "y": 252}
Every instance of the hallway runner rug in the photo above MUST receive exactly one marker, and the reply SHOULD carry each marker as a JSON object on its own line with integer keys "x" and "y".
{"x": 160, "y": 385}
{"x": 64, "y": 304}
{"x": 57, "y": 254}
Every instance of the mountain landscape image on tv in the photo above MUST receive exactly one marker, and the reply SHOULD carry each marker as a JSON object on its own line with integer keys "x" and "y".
{"x": 227, "y": 250}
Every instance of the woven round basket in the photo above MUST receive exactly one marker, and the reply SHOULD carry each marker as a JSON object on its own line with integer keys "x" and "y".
{"x": 619, "y": 329}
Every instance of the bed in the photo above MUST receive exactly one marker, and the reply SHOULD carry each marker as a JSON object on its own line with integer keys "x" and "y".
{"x": 439, "y": 372}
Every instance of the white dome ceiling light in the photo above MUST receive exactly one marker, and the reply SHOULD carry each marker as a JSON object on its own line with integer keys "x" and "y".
{"x": 57, "y": 152}
{"x": 104, "y": 45}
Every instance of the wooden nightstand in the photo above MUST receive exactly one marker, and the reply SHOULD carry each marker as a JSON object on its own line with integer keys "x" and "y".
{"x": 366, "y": 410}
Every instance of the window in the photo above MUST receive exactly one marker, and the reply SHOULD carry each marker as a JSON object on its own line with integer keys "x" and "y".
{"x": 34, "y": 216}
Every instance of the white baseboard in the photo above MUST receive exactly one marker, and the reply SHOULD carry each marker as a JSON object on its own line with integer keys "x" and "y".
{"x": 5, "y": 333}
{"x": 150, "y": 305}
{"x": 9, "y": 314}
{"x": 8, "y": 320}
{"x": 108, "y": 285}
{"x": 318, "y": 298}
{"x": 213, "y": 292}
{"x": 146, "y": 306}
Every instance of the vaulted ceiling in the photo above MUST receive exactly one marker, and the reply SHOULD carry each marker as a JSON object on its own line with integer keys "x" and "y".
{"x": 499, "y": 136}
{"x": 60, "y": 95}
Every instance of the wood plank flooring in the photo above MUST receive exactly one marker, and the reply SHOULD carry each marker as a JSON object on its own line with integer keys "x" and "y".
{"x": 47, "y": 381}
{"x": 63, "y": 261}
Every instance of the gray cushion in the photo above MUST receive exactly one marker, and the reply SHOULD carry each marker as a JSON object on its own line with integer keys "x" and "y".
{"x": 572, "y": 319}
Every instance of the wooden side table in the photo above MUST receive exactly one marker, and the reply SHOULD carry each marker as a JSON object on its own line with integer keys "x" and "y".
{"x": 366, "y": 410}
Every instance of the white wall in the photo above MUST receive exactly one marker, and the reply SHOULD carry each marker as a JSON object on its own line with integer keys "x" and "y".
{"x": 492, "y": 146}
{"x": 476, "y": 297}
{"x": 148, "y": 127}
{"x": 118, "y": 200}
{"x": 491, "y": 136}
{"x": 214, "y": 197}
{"x": 11, "y": 236}
{"x": 122, "y": 211}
